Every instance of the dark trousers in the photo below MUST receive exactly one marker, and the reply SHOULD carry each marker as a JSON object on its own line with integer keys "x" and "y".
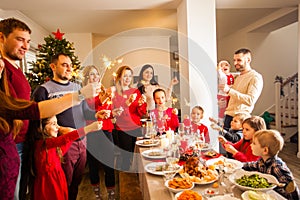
{"x": 100, "y": 151}
{"x": 127, "y": 141}
{"x": 227, "y": 121}
{"x": 74, "y": 165}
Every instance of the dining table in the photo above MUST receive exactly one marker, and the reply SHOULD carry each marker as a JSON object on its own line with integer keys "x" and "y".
{"x": 153, "y": 187}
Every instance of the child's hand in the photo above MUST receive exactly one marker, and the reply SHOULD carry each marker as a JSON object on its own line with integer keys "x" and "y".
{"x": 103, "y": 114}
{"x": 174, "y": 81}
{"x": 213, "y": 120}
{"x": 230, "y": 149}
{"x": 221, "y": 139}
{"x": 95, "y": 126}
{"x": 216, "y": 127}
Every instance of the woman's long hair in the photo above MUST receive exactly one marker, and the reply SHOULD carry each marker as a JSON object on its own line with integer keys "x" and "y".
{"x": 119, "y": 76}
{"x": 140, "y": 84}
{"x": 8, "y": 104}
{"x": 86, "y": 72}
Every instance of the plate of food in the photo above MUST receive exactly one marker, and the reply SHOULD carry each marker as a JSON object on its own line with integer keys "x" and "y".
{"x": 252, "y": 180}
{"x": 230, "y": 165}
{"x": 198, "y": 173}
{"x": 202, "y": 146}
{"x": 211, "y": 153}
{"x": 147, "y": 143}
{"x": 250, "y": 194}
{"x": 179, "y": 184}
{"x": 156, "y": 168}
{"x": 188, "y": 194}
{"x": 154, "y": 154}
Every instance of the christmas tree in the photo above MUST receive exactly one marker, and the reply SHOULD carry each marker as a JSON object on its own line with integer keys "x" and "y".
{"x": 41, "y": 71}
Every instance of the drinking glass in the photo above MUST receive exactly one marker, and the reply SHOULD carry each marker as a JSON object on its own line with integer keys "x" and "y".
{"x": 169, "y": 171}
{"x": 172, "y": 155}
{"x": 152, "y": 134}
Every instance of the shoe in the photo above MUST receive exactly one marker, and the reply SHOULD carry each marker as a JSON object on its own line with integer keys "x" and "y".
{"x": 97, "y": 191}
{"x": 111, "y": 194}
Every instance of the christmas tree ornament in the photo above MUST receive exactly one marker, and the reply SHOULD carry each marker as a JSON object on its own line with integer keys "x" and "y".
{"x": 58, "y": 35}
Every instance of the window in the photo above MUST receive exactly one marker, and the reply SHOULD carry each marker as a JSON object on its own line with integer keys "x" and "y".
{"x": 30, "y": 56}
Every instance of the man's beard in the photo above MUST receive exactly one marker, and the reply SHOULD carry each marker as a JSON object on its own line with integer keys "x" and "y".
{"x": 13, "y": 57}
{"x": 241, "y": 69}
{"x": 63, "y": 78}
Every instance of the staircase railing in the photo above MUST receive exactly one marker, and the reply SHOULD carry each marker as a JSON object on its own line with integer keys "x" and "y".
{"x": 286, "y": 101}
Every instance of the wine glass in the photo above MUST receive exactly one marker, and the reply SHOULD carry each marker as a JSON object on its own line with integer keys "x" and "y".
{"x": 172, "y": 155}
{"x": 169, "y": 171}
{"x": 152, "y": 134}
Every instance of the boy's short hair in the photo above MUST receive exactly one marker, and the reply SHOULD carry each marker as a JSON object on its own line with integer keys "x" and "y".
{"x": 242, "y": 116}
{"x": 271, "y": 139}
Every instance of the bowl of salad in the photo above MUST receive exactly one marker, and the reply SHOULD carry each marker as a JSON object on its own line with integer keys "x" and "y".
{"x": 251, "y": 180}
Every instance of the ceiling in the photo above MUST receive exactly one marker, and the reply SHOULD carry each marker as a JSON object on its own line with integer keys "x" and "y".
{"x": 106, "y": 17}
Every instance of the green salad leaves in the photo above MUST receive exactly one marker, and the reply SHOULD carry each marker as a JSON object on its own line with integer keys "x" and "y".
{"x": 253, "y": 181}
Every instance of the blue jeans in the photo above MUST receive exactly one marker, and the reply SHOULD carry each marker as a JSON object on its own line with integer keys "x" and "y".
{"x": 20, "y": 152}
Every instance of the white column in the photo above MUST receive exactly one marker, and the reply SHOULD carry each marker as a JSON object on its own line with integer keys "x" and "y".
{"x": 198, "y": 57}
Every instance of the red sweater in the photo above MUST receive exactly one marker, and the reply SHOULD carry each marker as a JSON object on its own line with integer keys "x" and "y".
{"x": 171, "y": 123}
{"x": 130, "y": 117}
{"x": 18, "y": 88}
{"x": 97, "y": 105}
{"x": 201, "y": 127}
{"x": 245, "y": 151}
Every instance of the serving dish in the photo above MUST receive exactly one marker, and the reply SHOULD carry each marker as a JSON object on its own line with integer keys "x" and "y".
{"x": 147, "y": 143}
{"x": 181, "y": 185}
{"x": 154, "y": 154}
{"x": 193, "y": 193}
{"x": 230, "y": 165}
{"x": 241, "y": 173}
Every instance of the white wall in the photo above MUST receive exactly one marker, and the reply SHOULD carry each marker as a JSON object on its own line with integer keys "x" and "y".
{"x": 136, "y": 51}
{"x": 83, "y": 46}
{"x": 274, "y": 54}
